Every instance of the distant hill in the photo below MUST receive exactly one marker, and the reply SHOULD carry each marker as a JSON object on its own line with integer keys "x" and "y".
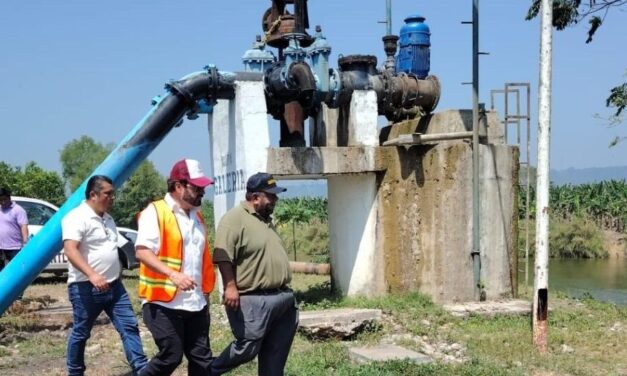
{"x": 318, "y": 188}
{"x": 588, "y": 175}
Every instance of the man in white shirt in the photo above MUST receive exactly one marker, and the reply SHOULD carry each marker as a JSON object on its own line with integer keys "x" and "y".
{"x": 90, "y": 244}
{"x": 176, "y": 273}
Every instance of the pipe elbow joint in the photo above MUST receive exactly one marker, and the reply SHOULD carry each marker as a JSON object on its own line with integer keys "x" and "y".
{"x": 209, "y": 85}
{"x": 293, "y": 83}
{"x": 302, "y": 78}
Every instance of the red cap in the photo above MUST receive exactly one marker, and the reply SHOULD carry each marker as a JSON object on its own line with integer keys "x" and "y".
{"x": 190, "y": 171}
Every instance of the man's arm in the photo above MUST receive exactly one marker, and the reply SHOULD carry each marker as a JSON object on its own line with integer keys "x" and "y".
{"x": 22, "y": 220}
{"x": 74, "y": 256}
{"x": 231, "y": 294}
{"x": 148, "y": 258}
{"x": 24, "y": 229}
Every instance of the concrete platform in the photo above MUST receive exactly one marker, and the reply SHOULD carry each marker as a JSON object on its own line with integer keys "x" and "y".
{"x": 337, "y": 323}
{"x": 382, "y": 353}
{"x": 490, "y": 308}
{"x": 316, "y": 162}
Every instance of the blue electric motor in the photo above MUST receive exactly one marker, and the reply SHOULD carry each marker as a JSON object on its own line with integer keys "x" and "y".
{"x": 414, "y": 53}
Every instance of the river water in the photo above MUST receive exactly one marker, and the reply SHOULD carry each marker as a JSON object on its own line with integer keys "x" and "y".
{"x": 603, "y": 279}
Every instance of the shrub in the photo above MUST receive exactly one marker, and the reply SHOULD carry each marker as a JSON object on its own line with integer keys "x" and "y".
{"x": 577, "y": 238}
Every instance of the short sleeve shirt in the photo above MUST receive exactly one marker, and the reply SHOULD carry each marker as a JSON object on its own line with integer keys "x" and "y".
{"x": 11, "y": 220}
{"x": 253, "y": 246}
{"x": 97, "y": 239}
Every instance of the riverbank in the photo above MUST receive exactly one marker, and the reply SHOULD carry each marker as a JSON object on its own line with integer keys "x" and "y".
{"x": 586, "y": 337}
{"x": 615, "y": 243}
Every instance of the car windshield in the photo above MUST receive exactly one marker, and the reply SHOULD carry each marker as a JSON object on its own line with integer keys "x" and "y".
{"x": 38, "y": 214}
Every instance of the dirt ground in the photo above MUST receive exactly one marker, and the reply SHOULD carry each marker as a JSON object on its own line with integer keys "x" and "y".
{"x": 33, "y": 334}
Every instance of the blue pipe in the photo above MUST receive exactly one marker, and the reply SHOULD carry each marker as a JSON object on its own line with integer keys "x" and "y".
{"x": 167, "y": 111}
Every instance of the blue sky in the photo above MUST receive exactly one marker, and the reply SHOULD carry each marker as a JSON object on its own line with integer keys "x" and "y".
{"x": 85, "y": 67}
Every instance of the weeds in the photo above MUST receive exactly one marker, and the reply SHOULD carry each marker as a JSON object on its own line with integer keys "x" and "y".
{"x": 586, "y": 337}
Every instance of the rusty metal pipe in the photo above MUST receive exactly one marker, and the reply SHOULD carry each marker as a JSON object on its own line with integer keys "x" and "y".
{"x": 396, "y": 93}
{"x": 301, "y": 77}
{"x": 410, "y": 91}
{"x": 310, "y": 268}
{"x": 292, "y": 125}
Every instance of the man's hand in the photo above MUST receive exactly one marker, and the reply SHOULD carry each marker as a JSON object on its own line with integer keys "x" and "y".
{"x": 75, "y": 258}
{"x": 99, "y": 282}
{"x": 149, "y": 258}
{"x": 231, "y": 297}
{"x": 182, "y": 281}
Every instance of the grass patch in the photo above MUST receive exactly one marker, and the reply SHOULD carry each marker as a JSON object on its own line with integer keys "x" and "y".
{"x": 311, "y": 240}
{"x": 586, "y": 337}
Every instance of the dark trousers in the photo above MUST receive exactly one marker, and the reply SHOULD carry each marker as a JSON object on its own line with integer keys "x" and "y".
{"x": 177, "y": 333}
{"x": 6, "y": 255}
{"x": 263, "y": 326}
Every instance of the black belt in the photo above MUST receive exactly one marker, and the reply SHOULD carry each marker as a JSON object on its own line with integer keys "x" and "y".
{"x": 266, "y": 291}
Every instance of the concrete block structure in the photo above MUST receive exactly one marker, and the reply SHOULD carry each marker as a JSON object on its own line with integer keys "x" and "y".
{"x": 239, "y": 139}
{"x": 400, "y": 217}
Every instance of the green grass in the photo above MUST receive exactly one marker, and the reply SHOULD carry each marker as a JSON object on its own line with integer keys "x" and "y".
{"x": 311, "y": 240}
{"x": 586, "y": 337}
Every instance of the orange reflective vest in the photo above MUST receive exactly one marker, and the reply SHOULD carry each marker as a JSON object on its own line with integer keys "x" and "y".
{"x": 154, "y": 286}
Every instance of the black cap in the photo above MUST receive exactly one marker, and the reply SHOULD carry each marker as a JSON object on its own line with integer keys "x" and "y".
{"x": 262, "y": 182}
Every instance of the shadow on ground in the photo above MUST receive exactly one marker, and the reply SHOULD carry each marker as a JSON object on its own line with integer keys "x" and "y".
{"x": 320, "y": 295}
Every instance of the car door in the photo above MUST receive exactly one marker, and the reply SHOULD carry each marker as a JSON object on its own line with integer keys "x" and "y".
{"x": 38, "y": 214}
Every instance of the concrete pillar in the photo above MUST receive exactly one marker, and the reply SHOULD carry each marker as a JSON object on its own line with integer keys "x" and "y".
{"x": 499, "y": 187}
{"x": 362, "y": 120}
{"x": 239, "y": 139}
{"x": 356, "y": 260}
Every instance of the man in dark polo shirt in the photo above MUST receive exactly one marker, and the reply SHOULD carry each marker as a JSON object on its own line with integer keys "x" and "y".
{"x": 256, "y": 272}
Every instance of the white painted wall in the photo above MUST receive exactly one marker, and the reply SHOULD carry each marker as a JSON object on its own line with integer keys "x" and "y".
{"x": 239, "y": 139}
{"x": 363, "y": 118}
{"x": 356, "y": 261}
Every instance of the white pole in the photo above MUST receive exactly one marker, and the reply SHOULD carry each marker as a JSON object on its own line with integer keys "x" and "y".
{"x": 541, "y": 281}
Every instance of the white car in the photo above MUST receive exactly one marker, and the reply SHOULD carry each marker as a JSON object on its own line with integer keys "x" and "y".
{"x": 40, "y": 211}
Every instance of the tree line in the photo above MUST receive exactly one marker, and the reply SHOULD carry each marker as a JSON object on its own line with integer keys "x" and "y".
{"x": 79, "y": 158}
{"x": 604, "y": 203}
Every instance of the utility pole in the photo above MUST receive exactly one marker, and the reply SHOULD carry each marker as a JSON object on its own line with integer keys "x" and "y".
{"x": 475, "y": 252}
{"x": 541, "y": 285}
{"x": 476, "y": 246}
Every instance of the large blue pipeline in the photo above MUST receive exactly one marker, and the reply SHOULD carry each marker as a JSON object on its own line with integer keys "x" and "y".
{"x": 189, "y": 95}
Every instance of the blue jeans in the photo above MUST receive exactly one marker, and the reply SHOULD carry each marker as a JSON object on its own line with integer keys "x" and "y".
{"x": 87, "y": 304}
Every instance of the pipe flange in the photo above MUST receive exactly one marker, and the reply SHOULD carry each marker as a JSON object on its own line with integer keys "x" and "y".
{"x": 351, "y": 62}
{"x": 178, "y": 90}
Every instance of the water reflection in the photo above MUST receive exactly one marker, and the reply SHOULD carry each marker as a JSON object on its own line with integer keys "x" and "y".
{"x": 603, "y": 279}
